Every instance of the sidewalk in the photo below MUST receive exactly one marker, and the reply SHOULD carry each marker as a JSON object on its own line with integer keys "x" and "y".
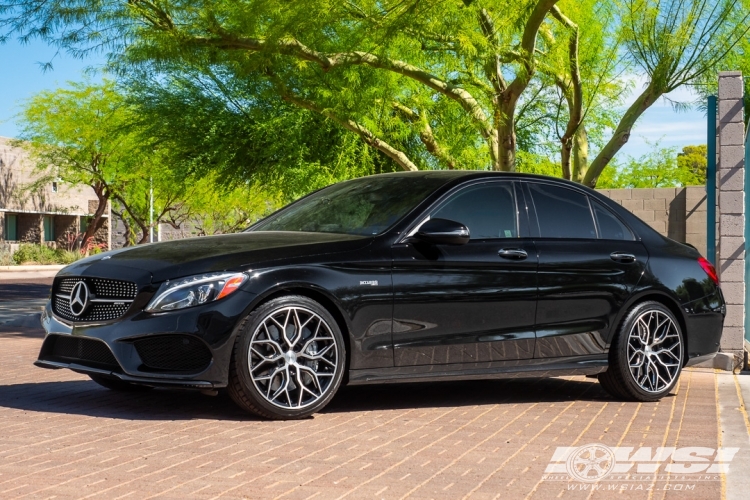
{"x": 65, "y": 436}
{"x": 8, "y": 273}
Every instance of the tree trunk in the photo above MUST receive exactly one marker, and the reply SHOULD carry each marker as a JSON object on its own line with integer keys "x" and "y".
{"x": 622, "y": 134}
{"x": 566, "y": 148}
{"x": 98, "y": 220}
{"x": 141, "y": 225}
{"x": 580, "y": 154}
{"x": 506, "y": 138}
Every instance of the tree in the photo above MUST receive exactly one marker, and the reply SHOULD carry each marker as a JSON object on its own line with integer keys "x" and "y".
{"x": 427, "y": 84}
{"x": 387, "y": 71}
{"x": 209, "y": 125}
{"x": 79, "y": 135}
{"x": 692, "y": 163}
{"x": 660, "y": 168}
{"x": 583, "y": 65}
{"x": 674, "y": 43}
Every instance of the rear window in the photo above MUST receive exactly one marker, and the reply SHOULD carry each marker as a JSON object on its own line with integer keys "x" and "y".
{"x": 562, "y": 212}
{"x": 610, "y": 227}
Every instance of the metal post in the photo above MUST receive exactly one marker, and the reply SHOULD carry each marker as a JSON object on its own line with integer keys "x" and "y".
{"x": 151, "y": 211}
{"x": 711, "y": 181}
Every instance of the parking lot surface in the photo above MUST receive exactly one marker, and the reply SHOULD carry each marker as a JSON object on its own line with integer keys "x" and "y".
{"x": 63, "y": 437}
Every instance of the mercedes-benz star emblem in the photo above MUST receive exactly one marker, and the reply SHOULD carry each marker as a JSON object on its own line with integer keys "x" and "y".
{"x": 79, "y": 299}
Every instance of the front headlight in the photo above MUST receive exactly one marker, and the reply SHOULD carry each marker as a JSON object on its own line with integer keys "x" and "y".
{"x": 195, "y": 290}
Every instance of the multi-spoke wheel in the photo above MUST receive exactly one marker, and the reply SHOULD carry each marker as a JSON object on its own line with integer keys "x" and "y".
{"x": 288, "y": 360}
{"x": 646, "y": 356}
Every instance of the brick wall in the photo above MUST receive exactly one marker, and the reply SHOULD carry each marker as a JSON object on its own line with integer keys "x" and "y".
{"x": 678, "y": 213}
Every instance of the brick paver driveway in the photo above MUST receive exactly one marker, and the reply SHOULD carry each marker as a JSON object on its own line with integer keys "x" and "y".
{"x": 64, "y": 437}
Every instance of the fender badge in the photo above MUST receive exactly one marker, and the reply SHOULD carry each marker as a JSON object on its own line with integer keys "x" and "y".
{"x": 371, "y": 283}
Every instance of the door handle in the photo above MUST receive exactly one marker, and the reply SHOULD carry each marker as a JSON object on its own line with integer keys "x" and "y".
{"x": 512, "y": 253}
{"x": 625, "y": 258}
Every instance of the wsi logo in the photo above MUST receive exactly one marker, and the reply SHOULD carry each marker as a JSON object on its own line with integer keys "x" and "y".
{"x": 595, "y": 462}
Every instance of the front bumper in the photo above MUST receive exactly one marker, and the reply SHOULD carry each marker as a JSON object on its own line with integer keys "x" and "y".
{"x": 208, "y": 329}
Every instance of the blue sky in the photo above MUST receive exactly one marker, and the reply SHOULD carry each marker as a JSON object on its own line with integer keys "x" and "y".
{"x": 22, "y": 77}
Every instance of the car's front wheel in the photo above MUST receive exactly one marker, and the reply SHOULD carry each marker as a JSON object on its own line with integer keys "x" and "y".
{"x": 646, "y": 355}
{"x": 288, "y": 359}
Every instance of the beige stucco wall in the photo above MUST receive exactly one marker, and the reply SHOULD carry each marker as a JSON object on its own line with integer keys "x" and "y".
{"x": 67, "y": 204}
{"x": 679, "y": 213}
{"x": 17, "y": 172}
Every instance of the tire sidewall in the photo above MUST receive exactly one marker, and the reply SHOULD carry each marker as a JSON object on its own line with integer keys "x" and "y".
{"x": 622, "y": 351}
{"x": 241, "y": 361}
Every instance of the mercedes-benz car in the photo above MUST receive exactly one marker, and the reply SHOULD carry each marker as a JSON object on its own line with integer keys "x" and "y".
{"x": 421, "y": 276}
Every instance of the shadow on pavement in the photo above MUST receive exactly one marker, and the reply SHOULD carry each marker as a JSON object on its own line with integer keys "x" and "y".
{"x": 465, "y": 393}
{"x": 19, "y": 332}
{"x": 83, "y": 397}
{"x": 21, "y": 291}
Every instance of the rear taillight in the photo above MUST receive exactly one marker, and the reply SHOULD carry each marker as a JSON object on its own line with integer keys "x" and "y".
{"x": 709, "y": 268}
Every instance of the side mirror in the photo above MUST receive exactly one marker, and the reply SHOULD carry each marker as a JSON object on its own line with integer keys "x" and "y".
{"x": 441, "y": 232}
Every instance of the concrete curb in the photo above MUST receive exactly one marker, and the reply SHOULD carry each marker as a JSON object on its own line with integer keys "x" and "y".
{"x": 726, "y": 361}
{"x": 25, "y": 272}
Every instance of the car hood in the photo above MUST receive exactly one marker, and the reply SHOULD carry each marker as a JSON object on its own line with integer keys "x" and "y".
{"x": 157, "y": 262}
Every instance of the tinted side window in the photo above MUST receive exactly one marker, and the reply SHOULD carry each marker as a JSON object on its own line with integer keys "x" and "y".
{"x": 562, "y": 212}
{"x": 610, "y": 227}
{"x": 488, "y": 210}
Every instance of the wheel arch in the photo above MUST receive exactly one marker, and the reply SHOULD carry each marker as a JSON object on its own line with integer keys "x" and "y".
{"x": 656, "y": 296}
{"x": 320, "y": 296}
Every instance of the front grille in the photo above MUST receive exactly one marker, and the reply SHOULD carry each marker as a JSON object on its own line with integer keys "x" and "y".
{"x": 109, "y": 299}
{"x": 173, "y": 353}
{"x": 80, "y": 350}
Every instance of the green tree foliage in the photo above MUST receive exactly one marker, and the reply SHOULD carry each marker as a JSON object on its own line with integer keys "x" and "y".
{"x": 79, "y": 135}
{"x": 213, "y": 127}
{"x": 660, "y": 168}
{"x": 92, "y": 135}
{"x": 428, "y": 84}
{"x": 692, "y": 162}
{"x": 673, "y": 43}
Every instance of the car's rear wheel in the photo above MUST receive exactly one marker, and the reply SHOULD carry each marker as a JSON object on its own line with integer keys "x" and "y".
{"x": 288, "y": 359}
{"x": 646, "y": 355}
{"x": 118, "y": 385}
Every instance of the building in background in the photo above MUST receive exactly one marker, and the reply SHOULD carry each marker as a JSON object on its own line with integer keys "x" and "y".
{"x": 55, "y": 214}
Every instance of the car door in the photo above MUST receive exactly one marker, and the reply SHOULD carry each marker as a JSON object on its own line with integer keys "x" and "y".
{"x": 589, "y": 263}
{"x": 474, "y": 302}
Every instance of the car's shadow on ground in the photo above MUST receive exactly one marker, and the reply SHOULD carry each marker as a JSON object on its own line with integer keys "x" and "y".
{"x": 22, "y": 291}
{"x": 83, "y": 397}
{"x": 10, "y": 332}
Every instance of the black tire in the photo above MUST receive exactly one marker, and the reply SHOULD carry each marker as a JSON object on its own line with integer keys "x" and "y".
{"x": 118, "y": 385}
{"x": 244, "y": 389}
{"x": 620, "y": 381}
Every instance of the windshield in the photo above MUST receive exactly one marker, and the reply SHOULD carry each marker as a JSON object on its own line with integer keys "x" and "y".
{"x": 365, "y": 206}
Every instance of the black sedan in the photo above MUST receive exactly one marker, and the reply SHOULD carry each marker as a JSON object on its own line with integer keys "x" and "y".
{"x": 421, "y": 276}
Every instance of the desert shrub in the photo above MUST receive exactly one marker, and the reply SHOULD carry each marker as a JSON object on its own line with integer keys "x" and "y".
{"x": 41, "y": 254}
{"x": 6, "y": 258}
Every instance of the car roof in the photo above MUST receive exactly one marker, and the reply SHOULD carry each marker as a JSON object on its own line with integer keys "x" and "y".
{"x": 455, "y": 175}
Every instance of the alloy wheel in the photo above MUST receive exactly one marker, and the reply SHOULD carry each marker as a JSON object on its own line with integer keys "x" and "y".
{"x": 292, "y": 357}
{"x": 654, "y": 351}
